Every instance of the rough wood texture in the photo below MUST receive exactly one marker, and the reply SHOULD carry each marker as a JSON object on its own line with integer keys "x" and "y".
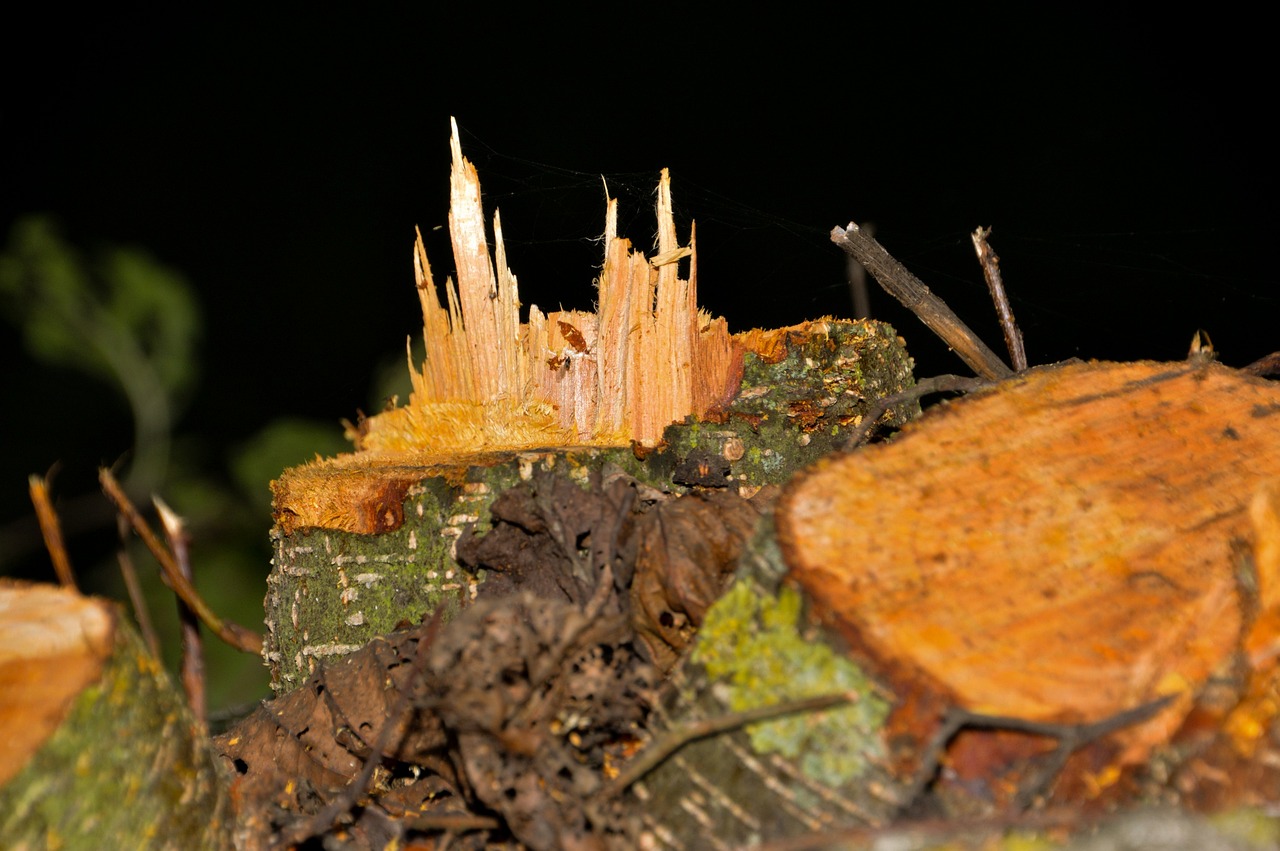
{"x": 648, "y": 384}
{"x": 332, "y": 589}
{"x": 97, "y": 750}
{"x": 647, "y": 358}
{"x": 807, "y": 773}
{"x": 1067, "y": 545}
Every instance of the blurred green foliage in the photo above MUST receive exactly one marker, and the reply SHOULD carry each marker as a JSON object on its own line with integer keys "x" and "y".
{"x": 122, "y": 317}
{"x": 281, "y": 443}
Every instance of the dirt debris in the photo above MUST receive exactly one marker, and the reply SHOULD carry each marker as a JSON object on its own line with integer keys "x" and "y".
{"x": 501, "y": 728}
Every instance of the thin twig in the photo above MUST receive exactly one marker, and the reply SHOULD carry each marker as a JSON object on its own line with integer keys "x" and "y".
{"x": 192, "y": 665}
{"x": 51, "y": 530}
{"x": 991, "y": 271}
{"x": 1071, "y": 737}
{"x": 857, "y": 274}
{"x": 141, "y": 612}
{"x": 676, "y": 738}
{"x": 922, "y": 388}
{"x": 1266, "y": 365}
{"x": 917, "y": 298}
{"x": 232, "y": 633}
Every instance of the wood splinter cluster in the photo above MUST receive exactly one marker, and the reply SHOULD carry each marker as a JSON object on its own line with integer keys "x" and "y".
{"x": 646, "y": 358}
{"x": 491, "y": 385}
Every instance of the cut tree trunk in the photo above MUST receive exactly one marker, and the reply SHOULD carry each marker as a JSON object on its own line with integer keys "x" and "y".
{"x": 1062, "y": 548}
{"x": 648, "y": 385}
{"x": 99, "y": 749}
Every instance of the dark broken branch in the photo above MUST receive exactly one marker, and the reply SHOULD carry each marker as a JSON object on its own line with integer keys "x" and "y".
{"x": 991, "y": 271}
{"x": 1070, "y": 737}
{"x": 237, "y": 636}
{"x": 917, "y": 298}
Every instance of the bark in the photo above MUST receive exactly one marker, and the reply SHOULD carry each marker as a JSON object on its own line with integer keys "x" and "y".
{"x": 100, "y": 750}
{"x": 332, "y": 589}
{"x": 806, "y": 773}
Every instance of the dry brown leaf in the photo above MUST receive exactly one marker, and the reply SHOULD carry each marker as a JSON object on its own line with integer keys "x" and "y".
{"x": 686, "y": 552}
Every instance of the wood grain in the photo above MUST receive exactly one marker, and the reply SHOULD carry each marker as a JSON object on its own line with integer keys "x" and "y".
{"x": 1063, "y": 546}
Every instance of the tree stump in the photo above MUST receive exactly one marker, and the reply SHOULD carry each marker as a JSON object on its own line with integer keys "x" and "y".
{"x": 99, "y": 749}
{"x": 648, "y": 385}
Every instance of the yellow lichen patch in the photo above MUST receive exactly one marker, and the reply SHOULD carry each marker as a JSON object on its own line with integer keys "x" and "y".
{"x": 751, "y": 642}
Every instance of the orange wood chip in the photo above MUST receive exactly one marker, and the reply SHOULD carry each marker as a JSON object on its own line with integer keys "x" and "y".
{"x": 1063, "y": 546}
{"x": 53, "y": 644}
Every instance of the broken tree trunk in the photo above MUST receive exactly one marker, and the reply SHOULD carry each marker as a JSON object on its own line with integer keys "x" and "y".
{"x": 99, "y": 749}
{"x": 648, "y": 385}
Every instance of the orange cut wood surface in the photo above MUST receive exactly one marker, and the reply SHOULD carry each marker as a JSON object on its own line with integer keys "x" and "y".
{"x": 488, "y": 383}
{"x": 1062, "y": 546}
{"x": 53, "y": 644}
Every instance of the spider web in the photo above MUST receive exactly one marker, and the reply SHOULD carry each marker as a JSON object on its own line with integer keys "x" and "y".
{"x": 767, "y": 260}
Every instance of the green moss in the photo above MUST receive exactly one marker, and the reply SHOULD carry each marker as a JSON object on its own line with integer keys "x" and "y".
{"x": 331, "y": 592}
{"x": 1253, "y": 826}
{"x": 126, "y": 768}
{"x": 793, "y": 411}
{"x": 751, "y": 644}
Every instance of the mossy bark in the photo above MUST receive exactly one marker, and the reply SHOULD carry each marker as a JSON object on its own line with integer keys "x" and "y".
{"x": 798, "y": 774}
{"x": 331, "y": 591}
{"x": 127, "y": 767}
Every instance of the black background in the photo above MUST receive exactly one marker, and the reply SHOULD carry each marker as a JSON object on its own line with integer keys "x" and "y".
{"x": 280, "y": 158}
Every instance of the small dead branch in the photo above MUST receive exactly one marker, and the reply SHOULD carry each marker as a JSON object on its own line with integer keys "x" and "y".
{"x": 141, "y": 613}
{"x": 924, "y": 387}
{"x": 657, "y": 753}
{"x": 1070, "y": 738}
{"x": 192, "y": 666}
{"x": 991, "y": 271}
{"x": 51, "y": 530}
{"x": 917, "y": 298}
{"x": 232, "y": 633}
